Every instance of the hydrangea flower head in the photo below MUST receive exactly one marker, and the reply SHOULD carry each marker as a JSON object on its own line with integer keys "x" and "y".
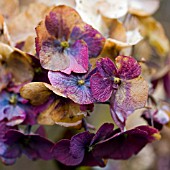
{"x": 64, "y": 42}
{"x": 122, "y": 84}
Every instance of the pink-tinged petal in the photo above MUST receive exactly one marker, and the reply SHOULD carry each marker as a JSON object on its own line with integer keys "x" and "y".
{"x": 57, "y": 24}
{"x": 94, "y": 40}
{"x": 118, "y": 115}
{"x": 61, "y": 20}
{"x": 101, "y": 87}
{"x": 127, "y": 67}
{"x": 73, "y": 86}
{"x": 14, "y": 115}
{"x": 51, "y": 58}
{"x": 126, "y": 144}
{"x": 131, "y": 95}
{"x": 78, "y": 56}
{"x": 106, "y": 67}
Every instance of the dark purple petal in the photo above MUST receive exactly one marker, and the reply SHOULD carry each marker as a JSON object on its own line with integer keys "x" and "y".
{"x": 71, "y": 152}
{"x": 101, "y": 87}
{"x": 94, "y": 40}
{"x": 74, "y": 86}
{"x": 78, "y": 56}
{"x": 34, "y": 146}
{"x": 126, "y": 144}
{"x": 41, "y": 146}
{"x": 61, "y": 152}
{"x": 106, "y": 67}
{"x": 104, "y": 132}
{"x": 127, "y": 67}
{"x": 79, "y": 143}
{"x": 90, "y": 160}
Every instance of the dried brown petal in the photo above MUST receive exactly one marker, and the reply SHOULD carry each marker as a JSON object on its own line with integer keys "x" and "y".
{"x": 36, "y": 92}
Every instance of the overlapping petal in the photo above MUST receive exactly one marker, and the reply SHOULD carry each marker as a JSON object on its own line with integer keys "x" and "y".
{"x": 127, "y": 67}
{"x": 74, "y": 86}
{"x": 34, "y": 146}
{"x": 64, "y": 42}
{"x": 105, "y": 144}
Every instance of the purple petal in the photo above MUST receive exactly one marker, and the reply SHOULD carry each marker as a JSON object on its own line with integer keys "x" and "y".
{"x": 94, "y": 40}
{"x": 41, "y": 146}
{"x": 127, "y": 67}
{"x": 106, "y": 67}
{"x": 69, "y": 86}
{"x": 118, "y": 115}
{"x": 90, "y": 160}
{"x": 14, "y": 114}
{"x": 131, "y": 95}
{"x": 101, "y": 87}
{"x": 8, "y": 161}
{"x": 78, "y": 56}
{"x": 34, "y": 146}
{"x": 60, "y": 21}
{"x": 126, "y": 144}
{"x": 61, "y": 152}
{"x": 104, "y": 132}
{"x": 79, "y": 143}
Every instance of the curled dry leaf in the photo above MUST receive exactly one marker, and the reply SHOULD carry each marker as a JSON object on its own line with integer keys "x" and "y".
{"x": 36, "y": 92}
{"x": 66, "y": 114}
{"x": 57, "y": 110}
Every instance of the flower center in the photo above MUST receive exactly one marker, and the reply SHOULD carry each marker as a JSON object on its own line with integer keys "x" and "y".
{"x": 64, "y": 44}
{"x": 81, "y": 82}
{"x": 117, "y": 80}
{"x": 13, "y": 99}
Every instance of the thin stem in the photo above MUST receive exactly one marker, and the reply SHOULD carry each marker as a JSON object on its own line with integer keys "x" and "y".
{"x": 28, "y": 129}
{"x": 84, "y": 123}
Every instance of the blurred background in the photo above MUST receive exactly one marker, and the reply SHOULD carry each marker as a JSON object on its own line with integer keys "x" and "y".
{"x": 152, "y": 157}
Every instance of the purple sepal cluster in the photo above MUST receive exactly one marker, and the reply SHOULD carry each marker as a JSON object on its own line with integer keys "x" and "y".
{"x": 91, "y": 149}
